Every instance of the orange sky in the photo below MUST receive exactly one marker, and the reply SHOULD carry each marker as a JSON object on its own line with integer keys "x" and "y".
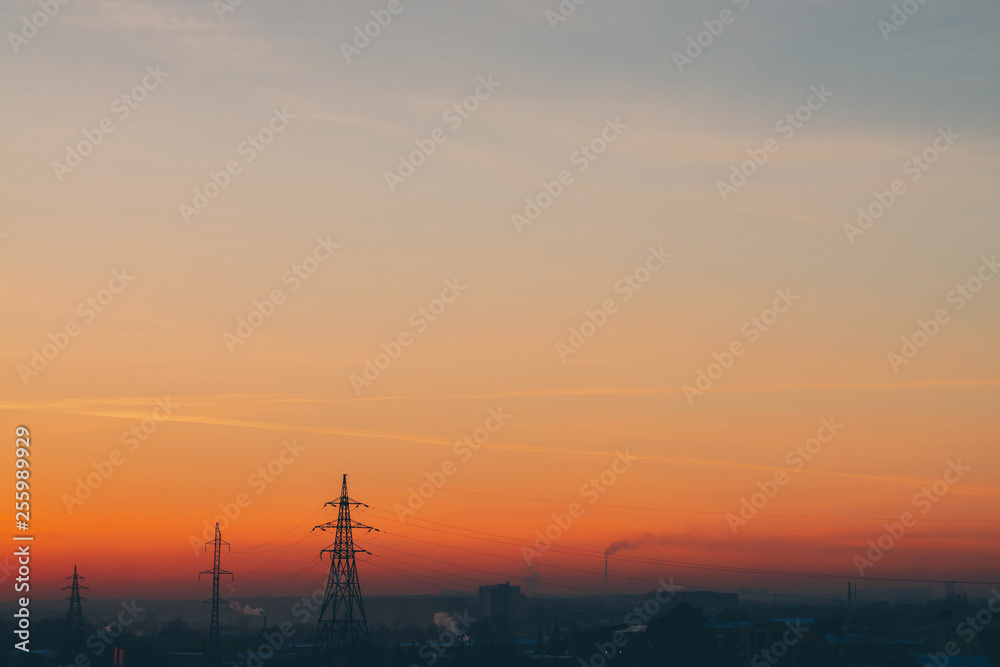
{"x": 133, "y": 534}
{"x": 321, "y": 271}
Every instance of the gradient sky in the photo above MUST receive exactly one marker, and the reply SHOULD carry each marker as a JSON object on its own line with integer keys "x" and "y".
{"x": 495, "y": 346}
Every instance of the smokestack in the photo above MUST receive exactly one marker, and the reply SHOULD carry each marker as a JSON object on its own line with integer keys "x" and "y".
{"x": 605, "y": 576}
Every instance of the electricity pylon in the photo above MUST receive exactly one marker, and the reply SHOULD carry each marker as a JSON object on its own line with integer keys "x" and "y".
{"x": 75, "y": 631}
{"x": 342, "y": 633}
{"x": 214, "y": 654}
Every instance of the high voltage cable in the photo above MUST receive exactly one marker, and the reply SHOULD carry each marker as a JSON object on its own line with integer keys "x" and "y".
{"x": 476, "y": 569}
{"x": 471, "y": 530}
{"x": 263, "y": 581}
{"x": 564, "y": 550}
{"x": 482, "y": 553}
{"x": 281, "y": 555}
{"x": 586, "y": 590}
{"x": 685, "y": 564}
{"x": 511, "y": 541}
{"x": 411, "y": 575}
{"x": 292, "y": 577}
{"x": 430, "y": 569}
{"x": 252, "y": 549}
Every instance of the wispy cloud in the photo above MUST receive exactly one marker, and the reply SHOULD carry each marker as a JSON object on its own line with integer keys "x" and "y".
{"x": 80, "y": 407}
{"x": 75, "y": 404}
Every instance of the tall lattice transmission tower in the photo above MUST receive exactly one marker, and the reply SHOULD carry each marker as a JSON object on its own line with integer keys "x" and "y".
{"x": 342, "y": 633}
{"x": 213, "y": 655}
{"x": 75, "y": 630}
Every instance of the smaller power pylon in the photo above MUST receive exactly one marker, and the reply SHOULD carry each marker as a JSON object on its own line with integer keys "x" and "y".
{"x": 213, "y": 656}
{"x": 75, "y": 630}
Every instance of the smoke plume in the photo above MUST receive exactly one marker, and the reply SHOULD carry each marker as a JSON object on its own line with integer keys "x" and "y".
{"x": 641, "y": 540}
{"x": 246, "y": 610}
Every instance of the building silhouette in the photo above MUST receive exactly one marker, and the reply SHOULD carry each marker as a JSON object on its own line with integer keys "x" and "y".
{"x": 502, "y": 605}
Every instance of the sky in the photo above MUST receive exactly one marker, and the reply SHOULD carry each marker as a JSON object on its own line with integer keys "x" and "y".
{"x": 622, "y": 241}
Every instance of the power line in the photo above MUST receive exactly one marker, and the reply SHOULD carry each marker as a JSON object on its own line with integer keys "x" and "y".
{"x": 424, "y": 579}
{"x": 292, "y": 577}
{"x": 253, "y": 549}
{"x": 585, "y": 590}
{"x": 686, "y": 564}
{"x": 574, "y": 551}
{"x": 476, "y": 569}
{"x": 280, "y": 577}
{"x": 281, "y": 555}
